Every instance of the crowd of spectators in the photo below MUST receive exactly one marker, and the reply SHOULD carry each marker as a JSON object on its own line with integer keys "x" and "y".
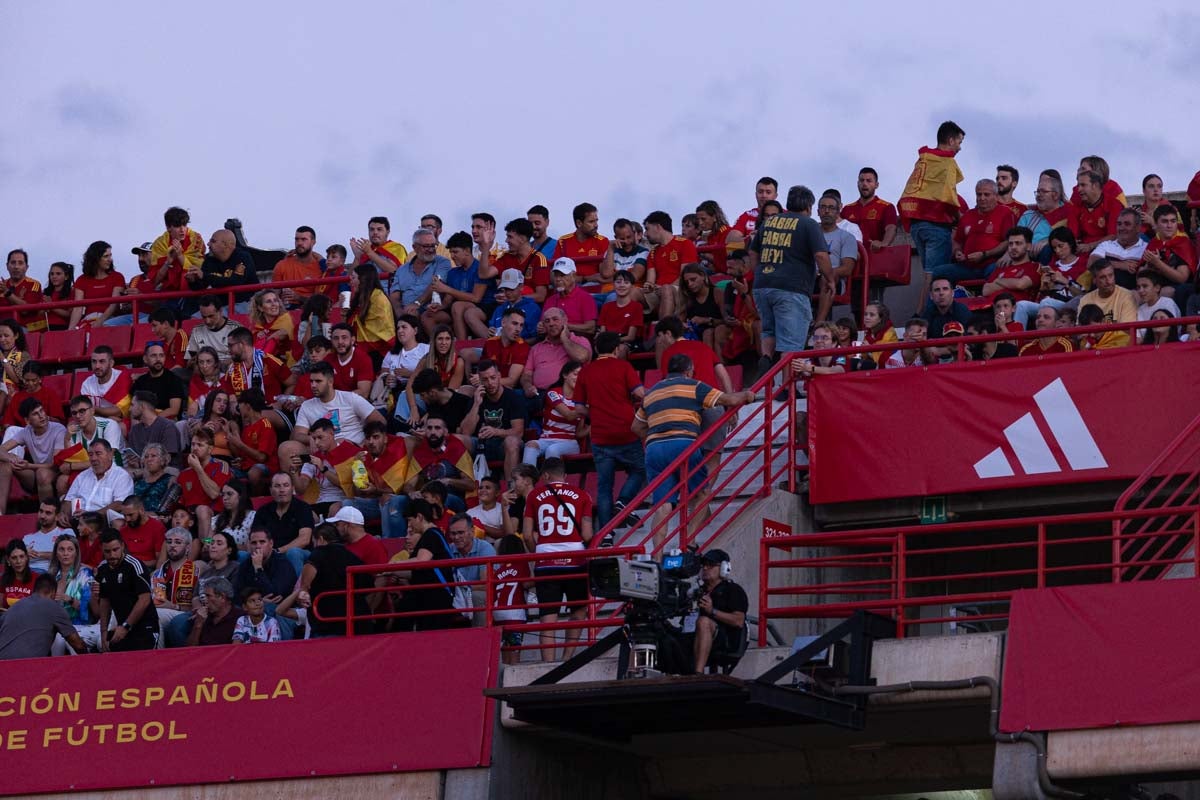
{"x": 438, "y": 395}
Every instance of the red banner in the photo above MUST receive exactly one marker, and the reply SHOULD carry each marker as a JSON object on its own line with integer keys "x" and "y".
{"x": 248, "y": 712}
{"x": 1102, "y": 656}
{"x": 1015, "y": 422}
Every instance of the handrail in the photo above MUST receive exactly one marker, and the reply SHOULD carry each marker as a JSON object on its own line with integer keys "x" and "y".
{"x": 1149, "y": 472}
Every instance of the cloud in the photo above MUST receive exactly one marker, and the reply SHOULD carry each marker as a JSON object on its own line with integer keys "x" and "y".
{"x": 92, "y": 109}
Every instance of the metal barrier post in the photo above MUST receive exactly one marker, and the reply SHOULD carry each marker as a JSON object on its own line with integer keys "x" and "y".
{"x": 901, "y": 584}
{"x": 489, "y": 590}
{"x": 791, "y": 426}
{"x": 764, "y": 556}
{"x": 1041, "y": 555}
{"x": 349, "y": 603}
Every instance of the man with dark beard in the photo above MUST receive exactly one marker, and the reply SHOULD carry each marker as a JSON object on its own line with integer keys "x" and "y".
{"x": 300, "y": 264}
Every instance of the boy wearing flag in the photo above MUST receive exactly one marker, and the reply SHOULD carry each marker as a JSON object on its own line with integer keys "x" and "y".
{"x": 929, "y": 207}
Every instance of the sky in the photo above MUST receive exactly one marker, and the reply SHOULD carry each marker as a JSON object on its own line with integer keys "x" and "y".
{"x": 325, "y": 114}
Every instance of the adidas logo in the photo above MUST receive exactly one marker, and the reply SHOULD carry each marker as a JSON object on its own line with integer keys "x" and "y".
{"x": 1033, "y": 453}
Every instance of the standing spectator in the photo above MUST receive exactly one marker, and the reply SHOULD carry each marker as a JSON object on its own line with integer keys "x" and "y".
{"x": 19, "y": 290}
{"x": 40, "y": 543}
{"x": 669, "y": 421}
{"x": 103, "y": 487}
{"x": 611, "y": 390}
{"x": 497, "y": 419}
{"x": 512, "y": 579}
{"x": 301, "y": 264}
{"x": 464, "y": 544}
{"x": 175, "y": 252}
{"x": 558, "y": 520}
{"x": 370, "y": 313}
{"x": 708, "y": 369}
{"x": 323, "y": 584}
{"x": 225, "y": 265}
{"x": 573, "y": 300}
{"x": 561, "y": 419}
{"x": 41, "y": 439}
{"x": 213, "y": 333}
{"x": 378, "y": 250}
{"x": 929, "y": 204}
{"x": 123, "y": 591}
{"x": 787, "y": 253}
{"x": 99, "y": 281}
{"x": 586, "y": 247}
{"x": 766, "y": 190}
{"x": 288, "y": 519}
{"x": 875, "y": 217}
{"x": 426, "y": 543}
{"x": 216, "y": 618}
{"x": 29, "y": 631}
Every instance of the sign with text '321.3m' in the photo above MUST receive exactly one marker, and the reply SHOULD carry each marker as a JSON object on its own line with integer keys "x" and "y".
{"x": 774, "y": 530}
{"x": 248, "y": 712}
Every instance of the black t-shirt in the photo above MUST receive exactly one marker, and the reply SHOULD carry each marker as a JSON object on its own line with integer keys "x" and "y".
{"x": 284, "y": 529}
{"x": 122, "y": 587}
{"x": 454, "y": 411}
{"x": 727, "y": 596}
{"x": 165, "y": 387}
{"x": 436, "y": 597}
{"x": 330, "y": 562}
{"x": 787, "y": 245}
{"x": 500, "y": 413}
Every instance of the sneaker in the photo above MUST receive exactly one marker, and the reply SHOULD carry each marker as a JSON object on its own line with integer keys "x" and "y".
{"x": 632, "y": 518}
{"x": 607, "y": 541}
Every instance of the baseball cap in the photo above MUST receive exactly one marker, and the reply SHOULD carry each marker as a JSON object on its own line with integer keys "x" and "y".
{"x": 714, "y": 557}
{"x": 564, "y": 265}
{"x": 347, "y": 514}
{"x": 510, "y": 279}
{"x": 952, "y": 328}
{"x": 144, "y": 247}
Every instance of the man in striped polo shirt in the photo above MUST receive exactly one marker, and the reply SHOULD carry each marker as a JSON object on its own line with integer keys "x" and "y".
{"x": 669, "y": 422}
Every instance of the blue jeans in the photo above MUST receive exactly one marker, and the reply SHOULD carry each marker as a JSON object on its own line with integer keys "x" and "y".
{"x": 403, "y": 411}
{"x": 933, "y": 244}
{"x": 786, "y": 317}
{"x": 607, "y": 457}
{"x": 659, "y": 456}
{"x": 124, "y": 319}
{"x": 963, "y": 272}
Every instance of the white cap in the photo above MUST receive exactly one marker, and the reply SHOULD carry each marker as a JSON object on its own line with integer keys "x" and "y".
{"x": 511, "y": 279}
{"x": 564, "y": 265}
{"x": 347, "y": 514}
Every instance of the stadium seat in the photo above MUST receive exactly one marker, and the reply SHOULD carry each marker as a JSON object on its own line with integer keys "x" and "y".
{"x": 651, "y": 377}
{"x": 142, "y": 333}
{"x": 33, "y": 342}
{"x": 241, "y": 319}
{"x": 336, "y": 315}
{"x": 892, "y": 265}
{"x": 64, "y": 345}
{"x": 116, "y": 337}
{"x": 189, "y": 325}
{"x": 17, "y": 525}
{"x": 464, "y": 344}
{"x": 78, "y": 377}
{"x": 137, "y": 372}
{"x": 59, "y": 385}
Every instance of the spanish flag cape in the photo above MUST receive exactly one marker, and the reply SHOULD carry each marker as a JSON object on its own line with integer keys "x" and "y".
{"x": 392, "y": 251}
{"x": 931, "y": 193}
{"x": 119, "y": 391}
{"x": 453, "y": 451}
{"x": 193, "y": 256}
{"x": 393, "y": 468}
{"x": 72, "y": 454}
{"x": 340, "y": 457}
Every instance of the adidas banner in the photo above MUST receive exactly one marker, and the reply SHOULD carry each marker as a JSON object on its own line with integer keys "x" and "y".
{"x": 1099, "y": 415}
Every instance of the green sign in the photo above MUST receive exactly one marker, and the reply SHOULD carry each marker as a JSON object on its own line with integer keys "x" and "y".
{"x": 933, "y": 510}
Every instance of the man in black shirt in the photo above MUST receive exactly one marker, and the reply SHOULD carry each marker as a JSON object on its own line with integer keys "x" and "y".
{"x": 124, "y": 592}
{"x": 451, "y": 406}
{"x": 169, "y": 391}
{"x": 225, "y": 265}
{"x": 497, "y": 418}
{"x": 323, "y": 583}
{"x": 426, "y": 543}
{"x": 722, "y": 610}
{"x": 288, "y": 520}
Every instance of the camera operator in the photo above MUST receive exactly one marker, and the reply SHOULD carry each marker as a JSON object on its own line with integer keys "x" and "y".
{"x": 721, "y": 608}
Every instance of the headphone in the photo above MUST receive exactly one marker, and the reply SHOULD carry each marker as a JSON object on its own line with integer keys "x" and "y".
{"x": 726, "y": 569}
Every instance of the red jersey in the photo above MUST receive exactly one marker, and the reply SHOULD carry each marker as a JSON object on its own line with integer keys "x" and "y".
{"x": 30, "y": 291}
{"x": 1176, "y": 251}
{"x": 720, "y": 239}
{"x": 558, "y": 511}
{"x": 703, "y": 357}
{"x": 369, "y": 549}
{"x": 505, "y": 355}
{"x": 872, "y": 217}
{"x": 1017, "y": 208}
{"x": 96, "y": 288}
{"x": 174, "y": 350}
{"x": 620, "y": 319}
{"x": 1093, "y": 224}
{"x": 1036, "y": 348}
{"x": 978, "y": 233}
{"x": 261, "y": 436}
{"x": 17, "y": 590}
{"x": 667, "y": 260}
{"x": 146, "y": 540}
{"x": 189, "y": 482}
{"x": 606, "y": 386}
{"x": 357, "y": 368}
{"x": 508, "y": 580}
{"x": 91, "y": 552}
{"x": 198, "y": 388}
{"x": 747, "y": 222}
{"x": 1111, "y": 191}
{"x": 1027, "y": 270}
{"x": 534, "y": 267}
{"x": 587, "y": 254}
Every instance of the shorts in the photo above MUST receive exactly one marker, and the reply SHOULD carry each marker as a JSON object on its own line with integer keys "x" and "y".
{"x": 659, "y": 456}
{"x": 493, "y": 449}
{"x": 553, "y": 591}
{"x": 242, "y": 474}
{"x": 708, "y": 419}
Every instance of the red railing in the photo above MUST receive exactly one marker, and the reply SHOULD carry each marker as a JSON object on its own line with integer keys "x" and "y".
{"x": 589, "y": 627}
{"x": 903, "y": 572}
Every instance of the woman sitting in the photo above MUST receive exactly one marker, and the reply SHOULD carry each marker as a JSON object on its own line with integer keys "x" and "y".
{"x": 560, "y": 420}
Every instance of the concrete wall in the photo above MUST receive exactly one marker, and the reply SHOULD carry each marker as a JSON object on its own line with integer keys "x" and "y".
{"x": 403, "y": 786}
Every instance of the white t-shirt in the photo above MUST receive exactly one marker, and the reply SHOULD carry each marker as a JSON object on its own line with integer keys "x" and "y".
{"x": 1111, "y": 249}
{"x": 330, "y": 491}
{"x": 347, "y": 411}
{"x": 1144, "y": 312}
{"x": 43, "y": 543}
{"x": 94, "y": 389}
{"x": 492, "y": 519}
{"x": 94, "y": 494}
{"x": 405, "y": 359}
{"x": 107, "y": 429}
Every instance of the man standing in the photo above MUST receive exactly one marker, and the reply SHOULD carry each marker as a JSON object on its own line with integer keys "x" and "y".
{"x": 669, "y": 423}
{"x": 104, "y": 487}
{"x": 41, "y": 439}
{"x": 943, "y": 308}
{"x": 19, "y": 290}
{"x": 721, "y": 610}
{"x": 876, "y": 218}
{"x": 611, "y": 390}
{"x": 301, "y": 264}
{"x": 843, "y": 253}
{"x": 497, "y": 419}
{"x": 378, "y": 249}
{"x": 148, "y": 427}
{"x": 169, "y": 392}
{"x": 766, "y": 190}
{"x": 352, "y": 368}
{"x": 585, "y": 246}
{"x": 124, "y": 592}
{"x": 665, "y": 263}
{"x": 108, "y": 388}
{"x": 929, "y": 204}
{"x": 575, "y": 302}
{"x": 214, "y": 332}
{"x": 786, "y": 255}
{"x": 27, "y": 630}
{"x": 225, "y": 265}
{"x": 539, "y": 221}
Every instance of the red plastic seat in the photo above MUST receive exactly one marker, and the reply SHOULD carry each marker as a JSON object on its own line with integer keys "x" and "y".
{"x": 735, "y": 376}
{"x": 892, "y": 265}
{"x": 60, "y": 386}
{"x": 189, "y": 325}
{"x": 116, "y": 337}
{"x": 60, "y": 346}
{"x": 651, "y": 377}
{"x": 142, "y": 333}
{"x": 33, "y": 343}
{"x": 17, "y": 525}
{"x": 78, "y": 377}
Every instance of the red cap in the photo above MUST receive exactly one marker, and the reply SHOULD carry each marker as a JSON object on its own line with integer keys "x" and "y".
{"x": 952, "y": 328}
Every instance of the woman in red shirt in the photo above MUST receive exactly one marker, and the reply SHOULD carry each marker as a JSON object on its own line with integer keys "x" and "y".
{"x": 274, "y": 330}
{"x": 99, "y": 281}
{"x": 720, "y": 236}
{"x": 877, "y": 320}
{"x": 17, "y": 583}
{"x": 206, "y": 378}
{"x": 60, "y": 282}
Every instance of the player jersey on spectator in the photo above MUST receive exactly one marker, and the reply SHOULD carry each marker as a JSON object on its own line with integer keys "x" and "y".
{"x": 586, "y": 254}
{"x": 667, "y": 260}
{"x": 557, "y": 510}
{"x": 871, "y": 217}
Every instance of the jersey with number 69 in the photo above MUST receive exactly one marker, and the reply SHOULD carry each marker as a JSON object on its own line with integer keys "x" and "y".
{"x": 558, "y": 511}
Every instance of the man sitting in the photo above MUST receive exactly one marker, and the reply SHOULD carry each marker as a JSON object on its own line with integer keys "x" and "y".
{"x": 83, "y": 429}
{"x": 109, "y": 388}
{"x": 145, "y": 537}
{"x": 265, "y": 570}
{"x": 979, "y": 238}
{"x": 720, "y": 612}
{"x": 1020, "y": 277}
{"x": 201, "y": 482}
{"x": 328, "y": 468}
{"x": 547, "y": 357}
{"x": 175, "y": 586}
{"x": 103, "y": 487}
{"x": 1046, "y": 320}
{"x": 943, "y": 308}
{"x": 149, "y": 427}
{"x": 225, "y": 265}
{"x": 1116, "y": 304}
{"x": 575, "y": 303}
{"x": 165, "y": 327}
{"x": 41, "y": 439}
{"x": 170, "y": 393}
{"x": 352, "y": 368}
{"x": 915, "y": 330}
{"x": 497, "y": 418}
{"x": 508, "y": 349}
{"x": 453, "y": 407}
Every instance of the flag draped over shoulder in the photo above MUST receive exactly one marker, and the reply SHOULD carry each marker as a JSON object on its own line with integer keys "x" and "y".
{"x": 341, "y": 457}
{"x": 931, "y": 193}
{"x": 454, "y": 452}
{"x": 393, "y": 468}
{"x": 74, "y": 454}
